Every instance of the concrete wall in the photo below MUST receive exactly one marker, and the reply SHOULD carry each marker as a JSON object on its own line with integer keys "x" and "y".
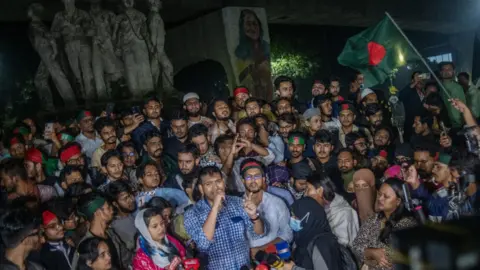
{"x": 199, "y": 40}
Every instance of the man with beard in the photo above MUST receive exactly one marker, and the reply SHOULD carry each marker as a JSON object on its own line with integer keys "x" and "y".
{"x": 56, "y": 253}
{"x": 346, "y": 164}
{"x": 15, "y": 181}
{"x": 121, "y": 196}
{"x": 296, "y": 146}
{"x": 422, "y": 130}
{"x": 240, "y": 95}
{"x": 323, "y": 148}
{"x": 193, "y": 106}
{"x": 179, "y": 126}
{"x": 286, "y": 124}
{"x": 188, "y": 163}
{"x": 318, "y": 89}
{"x": 285, "y": 88}
{"x": 268, "y": 136}
{"x": 453, "y": 90}
{"x": 347, "y": 118}
{"x": 198, "y": 134}
{"x": 441, "y": 205}
{"x": 105, "y": 127}
{"x": 324, "y": 103}
{"x": 374, "y": 116}
{"x": 219, "y": 224}
{"x": 130, "y": 158}
{"x": 357, "y": 142}
{"x": 271, "y": 208}
{"x": 380, "y": 164}
{"x": 383, "y": 141}
{"x": 21, "y": 235}
{"x": 424, "y": 158}
{"x": 301, "y": 171}
{"x": 152, "y": 109}
{"x": 223, "y": 124}
{"x": 71, "y": 154}
{"x": 87, "y": 138}
{"x": 153, "y": 152}
{"x": 284, "y": 106}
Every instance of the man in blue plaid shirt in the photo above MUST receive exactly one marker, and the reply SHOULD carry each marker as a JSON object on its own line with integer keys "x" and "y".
{"x": 219, "y": 224}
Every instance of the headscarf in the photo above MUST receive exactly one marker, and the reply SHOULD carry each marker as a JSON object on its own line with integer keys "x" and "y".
{"x": 161, "y": 255}
{"x": 365, "y": 197}
{"x": 314, "y": 226}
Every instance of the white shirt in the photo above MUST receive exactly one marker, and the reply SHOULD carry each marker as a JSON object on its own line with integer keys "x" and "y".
{"x": 274, "y": 212}
{"x": 88, "y": 145}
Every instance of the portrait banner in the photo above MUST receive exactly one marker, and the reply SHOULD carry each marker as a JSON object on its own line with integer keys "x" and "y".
{"x": 248, "y": 43}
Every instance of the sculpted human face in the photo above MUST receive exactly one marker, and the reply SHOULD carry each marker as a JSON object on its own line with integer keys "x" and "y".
{"x": 128, "y": 3}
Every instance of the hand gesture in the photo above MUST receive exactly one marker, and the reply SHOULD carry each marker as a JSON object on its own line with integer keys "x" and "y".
{"x": 459, "y": 105}
{"x": 381, "y": 258}
{"x": 236, "y": 147}
{"x": 445, "y": 141}
{"x": 219, "y": 199}
{"x": 411, "y": 176}
{"x": 246, "y": 143}
{"x": 250, "y": 207}
{"x": 138, "y": 119}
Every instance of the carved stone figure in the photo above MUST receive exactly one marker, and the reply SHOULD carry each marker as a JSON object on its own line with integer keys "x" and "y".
{"x": 131, "y": 39}
{"x": 74, "y": 25}
{"x": 44, "y": 44}
{"x": 159, "y": 61}
{"x": 106, "y": 66}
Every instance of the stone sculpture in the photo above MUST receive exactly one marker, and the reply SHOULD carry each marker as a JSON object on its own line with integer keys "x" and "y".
{"x": 160, "y": 64}
{"x": 46, "y": 47}
{"x": 131, "y": 41}
{"x": 74, "y": 25}
{"x": 106, "y": 66}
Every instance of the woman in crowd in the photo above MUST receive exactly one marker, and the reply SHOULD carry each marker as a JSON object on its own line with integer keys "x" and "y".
{"x": 94, "y": 254}
{"x": 157, "y": 249}
{"x": 316, "y": 246}
{"x": 364, "y": 186}
{"x": 372, "y": 244}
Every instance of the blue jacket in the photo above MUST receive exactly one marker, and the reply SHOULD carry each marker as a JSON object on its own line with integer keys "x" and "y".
{"x": 138, "y": 135}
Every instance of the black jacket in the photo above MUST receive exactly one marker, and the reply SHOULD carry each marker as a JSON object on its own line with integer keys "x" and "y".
{"x": 54, "y": 259}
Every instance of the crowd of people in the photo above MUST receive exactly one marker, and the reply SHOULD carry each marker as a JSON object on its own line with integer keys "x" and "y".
{"x": 319, "y": 184}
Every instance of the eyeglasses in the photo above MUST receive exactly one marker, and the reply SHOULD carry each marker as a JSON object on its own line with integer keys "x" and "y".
{"x": 131, "y": 154}
{"x": 253, "y": 177}
{"x": 55, "y": 226}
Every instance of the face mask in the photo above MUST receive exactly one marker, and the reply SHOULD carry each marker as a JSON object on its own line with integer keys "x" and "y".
{"x": 296, "y": 224}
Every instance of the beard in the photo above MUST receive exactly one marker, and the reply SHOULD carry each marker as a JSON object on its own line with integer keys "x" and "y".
{"x": 126, "y": 210}
{"x": 194, "y": 114}
{"x": 112, "y": 139}
{"x": 223, "y": 118}
{"x": 423, "y": 174}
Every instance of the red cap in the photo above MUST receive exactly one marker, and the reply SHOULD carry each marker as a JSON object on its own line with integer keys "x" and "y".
{"x": 240, "y": 90}
{"x": 70, "y": 152}
{"x": 47, "y": 217}
{"x": 34, "y": 155}
{"x": 383, "y": 153}
{"x": 14, "y": 141}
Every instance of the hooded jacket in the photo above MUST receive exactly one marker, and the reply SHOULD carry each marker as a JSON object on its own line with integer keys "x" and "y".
{"x": 343, "y": 220}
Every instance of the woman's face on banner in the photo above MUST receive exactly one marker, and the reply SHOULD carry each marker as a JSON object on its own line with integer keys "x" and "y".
{"x": 251, "y": 27}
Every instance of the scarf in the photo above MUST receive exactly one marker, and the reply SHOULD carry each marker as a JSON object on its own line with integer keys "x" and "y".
{"x": 161, "y": 255}
{"x": 366, "y": 196}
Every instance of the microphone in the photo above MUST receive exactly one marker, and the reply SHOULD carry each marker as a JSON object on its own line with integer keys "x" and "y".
{"x": 175, "y": 264}
{"x": 271, "y": 260}
{"x": 283, "y": 250}
{"x": 398, "y": 115}
{"x": 191, "y": 264}
{"x": 413, "y": 205}
{"x": 262, "y": 267}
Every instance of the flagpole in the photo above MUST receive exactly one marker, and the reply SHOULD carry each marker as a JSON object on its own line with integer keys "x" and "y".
{"x": 418, "y": 53}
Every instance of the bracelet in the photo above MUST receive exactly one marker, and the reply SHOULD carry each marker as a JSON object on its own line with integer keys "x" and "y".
{"x": 255, "y": 219}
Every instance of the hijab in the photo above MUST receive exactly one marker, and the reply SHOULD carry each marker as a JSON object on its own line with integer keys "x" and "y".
{"x": 161, "y": 255}
{"x": 365, "y": 196}
{"x": 315, "y": 225}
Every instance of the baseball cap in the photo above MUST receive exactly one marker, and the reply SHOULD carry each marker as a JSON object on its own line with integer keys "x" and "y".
{"x": 366, "y": 92}
{"x": 190, "y": 96}
{"x": 301, "y": 170}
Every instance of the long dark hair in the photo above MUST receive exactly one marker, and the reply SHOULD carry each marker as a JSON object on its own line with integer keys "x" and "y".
{"x": 88, "y": 251}
{"x": 244, "y": 48}
{"x": 399, "y": 213}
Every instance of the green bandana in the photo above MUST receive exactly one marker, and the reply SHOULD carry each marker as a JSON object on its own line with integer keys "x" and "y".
{"x": 21, "y": 130}
{"x": 66, "y": 137}
{"x": 296, "y": 140}
{"x": 92, "y": 207}
{"x": 444, "y": 158}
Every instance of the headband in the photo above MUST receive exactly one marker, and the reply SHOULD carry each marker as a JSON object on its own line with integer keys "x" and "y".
{"x": 240, "y": 91}
{"x": 83, "y": 114}
{"x": 14, "y": 141}
{"x": 34, "y": 155}
{"x": 383, "y": 153}
{"x": 296, "y": 140}
{"x": 250, "y": 165}
{"x": 47, "y": 217}
{"x": 92, "y": 207}
{"x": 21, "y": 130}
{"x": 65, "y": 137}
{"x": 346, "y": 107}
{"x": 70, "y": 152}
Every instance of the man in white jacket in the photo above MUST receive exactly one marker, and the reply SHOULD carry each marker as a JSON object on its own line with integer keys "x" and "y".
{"x": 343, "y": 219}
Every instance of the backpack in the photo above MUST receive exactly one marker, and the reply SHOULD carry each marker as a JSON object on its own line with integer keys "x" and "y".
{"x": 348, "y": 260}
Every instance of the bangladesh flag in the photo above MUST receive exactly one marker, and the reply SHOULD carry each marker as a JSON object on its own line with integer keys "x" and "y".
{"x": 376, "y": 52}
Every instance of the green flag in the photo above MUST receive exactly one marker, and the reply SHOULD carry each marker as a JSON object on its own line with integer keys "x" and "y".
{"x": 376, "y": 51}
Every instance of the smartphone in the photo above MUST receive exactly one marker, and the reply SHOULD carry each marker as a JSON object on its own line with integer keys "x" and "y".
{"x": 109, "y": 109}
{"x": 48, "y": 130}
{"x": 136, "y": 110}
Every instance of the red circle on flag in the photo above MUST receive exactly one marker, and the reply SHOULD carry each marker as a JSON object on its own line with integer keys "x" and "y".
{"x": 376, "y": 53}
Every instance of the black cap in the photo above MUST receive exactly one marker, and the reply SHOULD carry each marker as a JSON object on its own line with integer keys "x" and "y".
{"x": 301, "y": 170}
